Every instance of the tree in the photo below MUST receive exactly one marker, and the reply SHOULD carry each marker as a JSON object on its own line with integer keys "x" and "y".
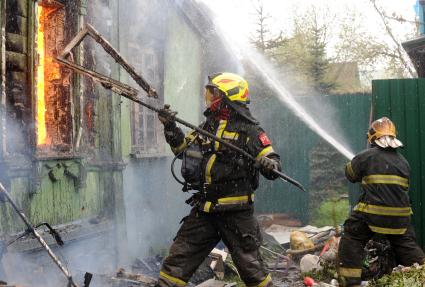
{"x": 319, "y": 62}
{"x": 318, "y": 42}
{"x": 356, "y": 43}
{"x": 262, "y": 38}
{"x": 302, "y": 56}
{"x": 398, "y": 56}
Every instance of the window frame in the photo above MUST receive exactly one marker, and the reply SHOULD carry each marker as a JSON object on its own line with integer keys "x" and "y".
{"x": 139, "y": 114}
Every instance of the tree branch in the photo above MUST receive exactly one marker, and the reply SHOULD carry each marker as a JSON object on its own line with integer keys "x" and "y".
{"x": 392, "y": 36}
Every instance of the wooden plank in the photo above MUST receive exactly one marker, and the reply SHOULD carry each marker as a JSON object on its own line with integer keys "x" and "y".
{"x": 90, "y": 201}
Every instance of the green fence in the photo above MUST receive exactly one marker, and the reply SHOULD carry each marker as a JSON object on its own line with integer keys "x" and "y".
{"x": 295, "y": 141}
{"x": 404, "y": 102}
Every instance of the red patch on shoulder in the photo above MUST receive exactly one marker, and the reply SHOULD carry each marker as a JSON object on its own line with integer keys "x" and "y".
{"x": 264, "y": 139}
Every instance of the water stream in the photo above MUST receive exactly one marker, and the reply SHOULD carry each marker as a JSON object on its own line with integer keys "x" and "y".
{"x": 241, "y": 49}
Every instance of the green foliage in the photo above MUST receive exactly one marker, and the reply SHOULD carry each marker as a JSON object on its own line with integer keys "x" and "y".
{"x": 327, "y": 173}
{"x": 304, "y": 57}
{"x": 331, "y": 212}
{"x": 325, "y": 275}
{"x": 407, "y": 277}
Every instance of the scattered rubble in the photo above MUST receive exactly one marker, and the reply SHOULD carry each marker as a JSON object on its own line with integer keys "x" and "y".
{"x": 136, "y": 277}
{"x": 309, "y": 263}
{"x": 299, "y": 241}
{"x": 149, "y": 266}
{"x": 295, "y": 256}
{"x": 300, "y": 249}
{"x": 216, "y": 283}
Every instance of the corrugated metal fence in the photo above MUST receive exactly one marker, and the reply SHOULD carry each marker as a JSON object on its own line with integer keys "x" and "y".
{"x": 295, "y": 141}
{"x": 404, "y": 102}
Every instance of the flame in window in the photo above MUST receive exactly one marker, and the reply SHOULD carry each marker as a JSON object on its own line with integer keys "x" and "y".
{"x": 52, "y": 98}
{"x": 41, "y": 105}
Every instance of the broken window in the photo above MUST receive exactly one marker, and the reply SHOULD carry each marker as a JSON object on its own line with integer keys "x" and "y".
{"x": 54, "y": 123}
{"x": 146, "y": 129}
{"x": 37, "y": 100}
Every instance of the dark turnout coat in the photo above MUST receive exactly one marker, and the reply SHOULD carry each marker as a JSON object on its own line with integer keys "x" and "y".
{"x": 384, "y": 177}
{"x": 383, "y": 207}
{"x": 227, "y": 179}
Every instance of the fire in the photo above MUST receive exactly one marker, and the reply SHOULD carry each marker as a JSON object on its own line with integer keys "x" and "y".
{"x": 41, "y": 104}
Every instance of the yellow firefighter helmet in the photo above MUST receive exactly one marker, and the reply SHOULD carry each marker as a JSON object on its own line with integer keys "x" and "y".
{"x": 381, "y": 127}
{"x": 234, "y": 87}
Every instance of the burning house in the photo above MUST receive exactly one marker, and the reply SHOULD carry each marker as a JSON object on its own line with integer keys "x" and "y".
{"x": 80, "y": 157}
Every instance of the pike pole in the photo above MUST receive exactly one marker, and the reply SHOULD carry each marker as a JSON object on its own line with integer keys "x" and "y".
{"x": 203, "y": 132}
{"x": 40, "y": 239}
{"x": 132, "y": 94}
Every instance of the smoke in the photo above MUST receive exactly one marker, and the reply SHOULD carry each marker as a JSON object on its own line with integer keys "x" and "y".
{"x": 153, "y": 202}
{"x": 35, "y": 268}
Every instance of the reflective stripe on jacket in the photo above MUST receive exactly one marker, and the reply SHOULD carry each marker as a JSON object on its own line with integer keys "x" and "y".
{"x": 384, "y": 177}
{"x": 229, "y": 178}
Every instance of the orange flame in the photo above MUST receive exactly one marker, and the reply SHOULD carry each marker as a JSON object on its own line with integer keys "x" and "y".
{"x": 41, "y": 104}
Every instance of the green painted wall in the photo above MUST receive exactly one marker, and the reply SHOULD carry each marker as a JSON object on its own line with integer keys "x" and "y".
{"x": 64, "y": 190}
{"x": 154, "y": 201}
{"x": 183, "y": 68}
{"x": 403, "y": 102}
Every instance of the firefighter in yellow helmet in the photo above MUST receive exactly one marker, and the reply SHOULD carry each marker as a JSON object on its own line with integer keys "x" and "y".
{"x": 225, "y": 182}
{"x": 383, "y": 207}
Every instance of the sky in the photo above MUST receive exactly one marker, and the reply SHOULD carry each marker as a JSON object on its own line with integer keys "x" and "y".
{"x": 239, "y": 15}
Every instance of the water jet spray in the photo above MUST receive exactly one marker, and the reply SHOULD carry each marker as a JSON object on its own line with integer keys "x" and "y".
{"x": 245, "y": 51}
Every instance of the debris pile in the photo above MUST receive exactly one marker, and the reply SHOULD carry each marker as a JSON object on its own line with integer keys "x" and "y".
{"x": 295, "y": 256}
{"x": 292, "y": 251}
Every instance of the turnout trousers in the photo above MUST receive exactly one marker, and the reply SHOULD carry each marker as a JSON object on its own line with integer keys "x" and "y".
{"x": 200, "y": 233}
{"x": 351, "y": 249}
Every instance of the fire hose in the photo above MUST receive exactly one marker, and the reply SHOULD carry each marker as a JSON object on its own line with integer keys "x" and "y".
{"x": 132, "y": 94}
{"x": 203, "y": 132}
{"x": 65, "y": 271}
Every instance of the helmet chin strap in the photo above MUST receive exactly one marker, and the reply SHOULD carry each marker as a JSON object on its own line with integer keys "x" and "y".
{"x": 216, "y": 104}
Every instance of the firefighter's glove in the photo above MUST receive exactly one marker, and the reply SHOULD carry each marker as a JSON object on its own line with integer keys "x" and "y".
{"x": 267, "y": 164}
{"x": 166, "y": 116}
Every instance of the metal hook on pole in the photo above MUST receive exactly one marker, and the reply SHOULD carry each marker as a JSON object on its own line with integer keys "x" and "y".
{"x": 65, "y": 271}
